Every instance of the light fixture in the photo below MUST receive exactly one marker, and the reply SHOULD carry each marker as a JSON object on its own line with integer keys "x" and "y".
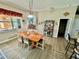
{"x": 30, "y": 6}
{"x": 66, "y": 13}
{"x": 30, "y": 16}
{"x": 30, "y": 9}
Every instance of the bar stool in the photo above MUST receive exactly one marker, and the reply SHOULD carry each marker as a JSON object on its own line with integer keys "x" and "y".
{"x": 71, "y": 42}
{"x": 75, "y": 53}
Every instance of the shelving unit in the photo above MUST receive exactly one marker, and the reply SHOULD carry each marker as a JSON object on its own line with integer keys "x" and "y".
{"x": 48, "y": 28}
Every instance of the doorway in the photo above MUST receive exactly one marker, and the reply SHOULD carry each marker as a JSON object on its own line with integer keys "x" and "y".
{"x": 62, "y": 27}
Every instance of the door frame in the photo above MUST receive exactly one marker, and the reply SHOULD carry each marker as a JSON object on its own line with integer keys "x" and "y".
{"x": 66, "y": 25}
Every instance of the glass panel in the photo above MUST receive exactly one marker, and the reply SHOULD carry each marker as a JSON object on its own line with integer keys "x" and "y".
{"x": 19, "y": 23}
{"x": 32, "y": 19}
{"x": 1, "y": 25}
{"x": 7, "y": 24}
{"x": 16, "y": 23}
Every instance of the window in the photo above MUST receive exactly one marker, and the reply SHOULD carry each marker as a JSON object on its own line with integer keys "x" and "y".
{"x": 7, "y": 22}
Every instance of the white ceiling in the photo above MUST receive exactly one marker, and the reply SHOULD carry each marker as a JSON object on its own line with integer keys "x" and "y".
{"x": 43, "y": 4}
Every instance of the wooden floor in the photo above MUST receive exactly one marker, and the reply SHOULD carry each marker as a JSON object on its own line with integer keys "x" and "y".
{"x": 55, "y": 49}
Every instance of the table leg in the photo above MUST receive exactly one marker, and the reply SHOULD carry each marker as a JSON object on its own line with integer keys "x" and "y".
{"x": 33, "y": 44}
{"x": 22, "y": 39}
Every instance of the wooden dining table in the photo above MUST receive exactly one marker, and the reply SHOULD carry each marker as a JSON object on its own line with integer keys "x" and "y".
{"x": 34, "y": 37}
{"x": 31, "y": 36}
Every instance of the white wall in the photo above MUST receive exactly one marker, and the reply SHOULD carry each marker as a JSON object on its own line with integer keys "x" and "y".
{"x": 56, "y": 15}
{"x": 75, "y": 27}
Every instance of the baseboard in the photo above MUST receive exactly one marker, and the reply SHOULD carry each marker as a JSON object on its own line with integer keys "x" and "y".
{"x": 9, "y": 39}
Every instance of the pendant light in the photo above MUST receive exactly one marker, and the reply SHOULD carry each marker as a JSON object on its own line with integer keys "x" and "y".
{"x": 30, "y": 6}
{"x": 30, "y": 9}
{"x": 31, "y": 17}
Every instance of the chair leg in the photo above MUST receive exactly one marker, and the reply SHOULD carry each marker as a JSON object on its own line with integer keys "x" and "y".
{"x": 76, "y": 57}
{"x": 72, "y": 55}
{"x": 67, "y": 46}
{"x": 43, "y": 46}
{"x": 67, "y": 49}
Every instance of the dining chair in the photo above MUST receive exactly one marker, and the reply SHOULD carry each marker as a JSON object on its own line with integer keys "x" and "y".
{"x": 27, "y": 43}
{"x": 70, "y": 44}
{"x": 20, "y": 43}
{"x": 23, "y": 42}
{"x": 40, "y": 44}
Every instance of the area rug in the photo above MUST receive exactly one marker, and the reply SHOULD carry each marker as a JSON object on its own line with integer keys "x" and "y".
{"x": 2, "y": 56}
